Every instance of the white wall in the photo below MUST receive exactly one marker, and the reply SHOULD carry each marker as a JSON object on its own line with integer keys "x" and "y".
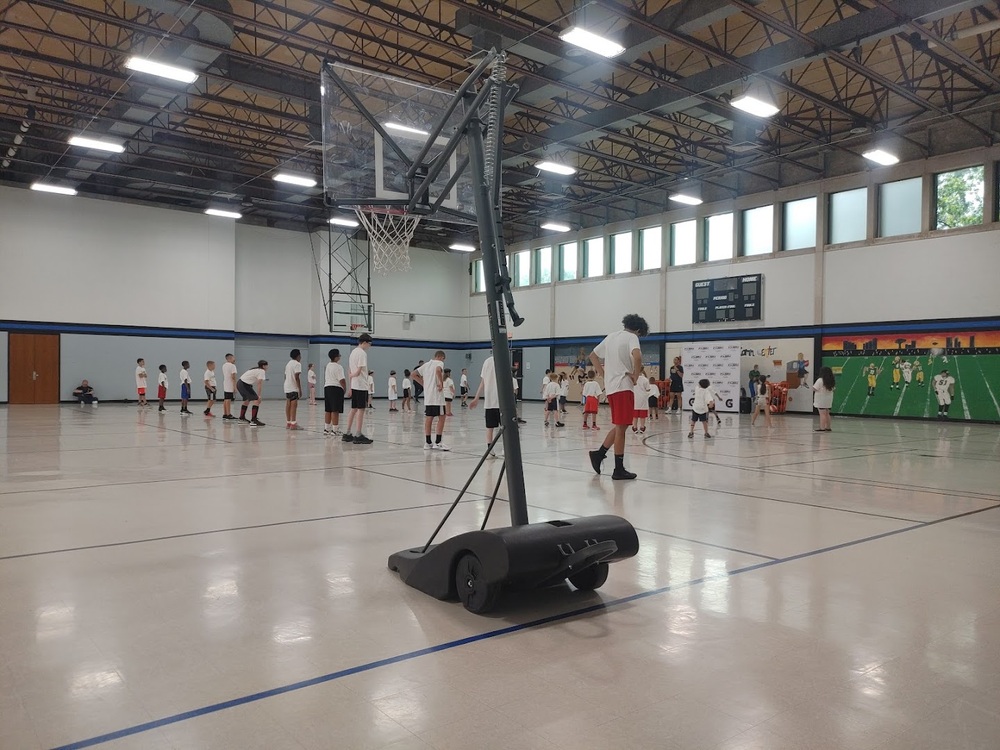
{"x": 275, "y": 279}
{"x": 950, "y": 276}
{"x": 66, "y": 259}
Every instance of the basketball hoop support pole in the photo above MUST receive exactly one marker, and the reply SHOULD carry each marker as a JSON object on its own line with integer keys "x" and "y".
{"x": 497, "y": 291}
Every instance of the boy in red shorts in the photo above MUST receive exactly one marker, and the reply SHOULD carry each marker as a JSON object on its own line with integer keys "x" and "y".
{"x": 622, "y": 364}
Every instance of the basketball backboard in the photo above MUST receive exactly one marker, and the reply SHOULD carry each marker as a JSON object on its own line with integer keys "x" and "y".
{"x": 352, "y": 318}
{"x": 367, "y": 166}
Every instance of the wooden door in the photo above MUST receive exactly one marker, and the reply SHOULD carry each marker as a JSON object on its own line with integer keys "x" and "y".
{"x": 33, "y": 369}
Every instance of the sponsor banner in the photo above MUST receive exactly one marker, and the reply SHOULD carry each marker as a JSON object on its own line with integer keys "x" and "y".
{"x": 719, "y": 362}
{"x": 952, "y": 375}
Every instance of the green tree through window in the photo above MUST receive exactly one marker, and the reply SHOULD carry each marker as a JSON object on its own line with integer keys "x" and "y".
{"x": 960, "y": 198}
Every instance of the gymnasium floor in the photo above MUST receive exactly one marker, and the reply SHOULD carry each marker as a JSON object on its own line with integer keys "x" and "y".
{"x": 189, "y": 584}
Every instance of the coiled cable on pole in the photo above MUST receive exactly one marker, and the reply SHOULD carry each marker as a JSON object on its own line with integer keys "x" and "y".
{"x": 494, "y": 115}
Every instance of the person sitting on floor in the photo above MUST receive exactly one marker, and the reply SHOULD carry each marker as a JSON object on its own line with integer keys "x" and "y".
{"x": 84, "y": 394}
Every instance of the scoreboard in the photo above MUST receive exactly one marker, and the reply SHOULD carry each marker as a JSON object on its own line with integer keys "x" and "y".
{"x": 730, "y": 298}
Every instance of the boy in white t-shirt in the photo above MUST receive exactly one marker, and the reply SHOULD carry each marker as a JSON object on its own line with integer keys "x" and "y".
{"x": 551, "y": 396}
{"x": 161, "y": 387}
{"x": 463, "y": 387}
{"x": 491, "y": 400}
{"x": 591, "y": 400}
{"x": 622, "y": 363}
{"x": 293, "y": 389}
{"x": 140, "y": 381}
{"x": 210, "y": 388}
{"x": 701, "y": 403}
{"x": 228, "y": 387}
{"x": 654, "y": 401}
{"x": 334, "y": 388}
{"x": 407, "y": 392}
{"x": 371, "y": 389}
{"x": 449, "y": 393}
{"x": 357, "y": 389}
{"x": 311, "y": 379}
{"x": 392, "y": 390}
{"x": 640, "y": 402}
{"x": 431, "y": 376}
{"x": 185, "y": 378}
{"x": 251, "y": 387}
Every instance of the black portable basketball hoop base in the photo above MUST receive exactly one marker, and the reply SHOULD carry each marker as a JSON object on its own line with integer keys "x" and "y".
{"x": 476, "y": 567}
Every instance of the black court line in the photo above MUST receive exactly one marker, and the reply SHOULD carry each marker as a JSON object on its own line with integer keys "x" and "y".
{"x": 291, "y": 522}
{"x": 511, "y": 629}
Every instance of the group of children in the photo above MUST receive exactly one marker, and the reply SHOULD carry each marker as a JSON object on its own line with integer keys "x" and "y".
{"x": 246, "y": 385}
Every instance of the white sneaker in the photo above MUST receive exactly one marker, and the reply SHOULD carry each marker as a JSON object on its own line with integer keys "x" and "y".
{"x": 427, "y": 446}
{"x": 441, "y": 447}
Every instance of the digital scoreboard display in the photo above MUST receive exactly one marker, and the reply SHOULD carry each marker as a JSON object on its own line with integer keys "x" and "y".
{"x": 727, "y": 299}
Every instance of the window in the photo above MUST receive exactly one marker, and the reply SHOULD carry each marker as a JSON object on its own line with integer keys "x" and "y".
{"x": 848, "y": 216}
{"x": 621, "y": 251}
{"x": 651, "y": 248}
{"x": 758, "y": 230}
{"x": 958, "y": 198}
{"x": 567, "y": 261}
{"x": 543, "y": 265}
{"x": 522, "y": 268}
{"x": 479, "y": 276}
{"x": 593, "y": 257}
{"x": 799, "y": 225}
{"x": 683, "y": 243}
{"x": 899, "y": 207}
{"x": 719, "y": 237}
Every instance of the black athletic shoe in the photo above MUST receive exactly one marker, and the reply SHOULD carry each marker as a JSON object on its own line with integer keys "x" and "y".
{"x": 596, "y": 458}
{"x": 256, "y": 423}
{"x": 348, "y": 438}
{"x": 560, "y": 424}
{"x": 228, "y": 416}
{"x": 362, "y": 440}
{"x": 623, "y": 474}
{"x": 244, "y": 420}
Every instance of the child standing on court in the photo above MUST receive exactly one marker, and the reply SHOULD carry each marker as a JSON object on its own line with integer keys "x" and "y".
{"x": 210, "y": 388}
{"x": 563, "y": 392}
{"x": 640, "y": 397}
{"x": 185, "y": 378}
{"x": 407, "y": 390}
{"x": 334, "y": 387}
{"x": 293, "y": 389}
{"x": 161, "y": 387}
{"x": 357, "y": 389}
{"x": 392, "y": 391}
{"x": 371, "y": 389}
{"x": 311, "y": 378}
{"x": 430, "y": 375}
{"x": 551, "y": 396}
{"x": 228, "y": 386}
{"x": 449, "y": 393}
{"x": 251, "y": 388}
{"x": 699, "y": 408}
{"x": 140, "y": 381}
{"x": 763, "y": 401}
{"x": 463, "y": 386}
{"x": 491, "y": 400}
{"x": 591, "y": 400}
{"x": 654, "y": 401}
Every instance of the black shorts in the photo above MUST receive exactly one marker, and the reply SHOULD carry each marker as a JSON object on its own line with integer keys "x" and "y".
{"x": 448, "y": 400}
{"x": 406, "y": 393}
{"x": 359, "y": 399}
{"x": 293, "y": 396}
{"x": 552, "y": 405}
{"x": 653, "y": 401}
{"x": 246, "y": 391}
{"x": 696, "y": 417}
{"x": 334, "y": 397}
{"x": 210, "y": 394}
{"x": 465, "y": 390}
{"x": 492, "y": 418}
{"x": 228, "y": 395}
{"x": 433, "y": 411}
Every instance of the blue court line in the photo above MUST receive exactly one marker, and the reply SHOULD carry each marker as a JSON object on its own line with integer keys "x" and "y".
{"x": 410, "y": 655}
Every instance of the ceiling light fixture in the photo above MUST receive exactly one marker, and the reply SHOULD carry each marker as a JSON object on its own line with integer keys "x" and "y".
{"x": 556, "y": 167}
{"x": 295, "y": 179}
{"x": 687, "y": 200}
{"x": 555, "y": 226}
{"x": 223, "y": 214}
{"x": 340, "y": 222}
{"x": 172, "y": 72}
{"x": 403, "y": 128}
{"x": 459, "y": 247}
{"x": 45, "y": 187}
{"x": 755, "y": 105}
{"x": 880, "y": 156}
{"x": 96, "y": 144}
{"x": 588, "y": 40}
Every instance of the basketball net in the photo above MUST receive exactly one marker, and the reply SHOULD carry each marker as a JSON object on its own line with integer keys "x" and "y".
{"x": 389, "y": 235}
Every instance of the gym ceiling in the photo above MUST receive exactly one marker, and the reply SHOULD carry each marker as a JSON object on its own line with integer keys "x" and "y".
{"x": 917, "y": 77}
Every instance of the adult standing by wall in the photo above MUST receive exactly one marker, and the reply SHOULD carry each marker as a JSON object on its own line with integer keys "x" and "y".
{"x": 618, "y": 359}
{"x": 677, "y": 385}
